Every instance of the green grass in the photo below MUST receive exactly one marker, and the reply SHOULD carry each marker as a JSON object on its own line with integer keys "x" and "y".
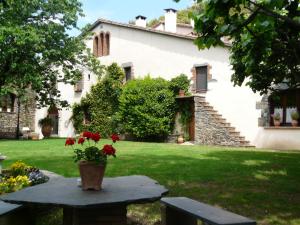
{"x": 261, "y": 184}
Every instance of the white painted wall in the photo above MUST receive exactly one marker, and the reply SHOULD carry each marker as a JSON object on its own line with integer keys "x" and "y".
{"x": 167, "y": 56}
{"x": 283, "y": 138}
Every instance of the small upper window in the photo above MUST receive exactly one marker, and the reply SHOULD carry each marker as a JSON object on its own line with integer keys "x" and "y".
{"x": 101, "y": 45}
{"x": 128, "y": 73}
{"x": 201, "y": 78}
{"x": 96, "y": 46}
{"x": 107, "y": 44}
{"x": 79, "y": 85}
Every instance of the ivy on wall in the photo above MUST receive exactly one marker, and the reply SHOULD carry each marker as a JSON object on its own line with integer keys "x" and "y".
{"x": 96, "y": 111}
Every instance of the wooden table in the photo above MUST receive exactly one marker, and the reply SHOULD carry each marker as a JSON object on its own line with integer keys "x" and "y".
{"x": 105, "y": 207}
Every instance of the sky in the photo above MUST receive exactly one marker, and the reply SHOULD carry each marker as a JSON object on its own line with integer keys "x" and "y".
{"x": 126, "y": 10}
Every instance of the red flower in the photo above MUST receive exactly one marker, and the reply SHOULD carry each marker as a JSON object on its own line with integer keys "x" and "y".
{"x": 96, "y": 137}
{"x": 115, "y": 137}
{"x": 87, "y": 134}
{"x": 81, "y": 140}
{"x": 70, "y": 141}
{"x": 109, "y": 150}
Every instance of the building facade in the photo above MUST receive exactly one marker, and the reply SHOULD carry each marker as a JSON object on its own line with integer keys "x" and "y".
{"x": 168, "y": 50}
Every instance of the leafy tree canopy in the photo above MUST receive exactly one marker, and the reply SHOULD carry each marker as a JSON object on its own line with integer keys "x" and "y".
{"x": 37, "y": 52}
{"x": 265, "y": 39}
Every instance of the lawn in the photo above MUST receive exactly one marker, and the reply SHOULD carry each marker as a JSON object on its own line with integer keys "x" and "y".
{"x": 261, "y": 184}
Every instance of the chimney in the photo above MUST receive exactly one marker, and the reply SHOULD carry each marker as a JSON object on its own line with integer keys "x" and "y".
{"x": 171, "y": 20}
{"x": 141, "y": 21}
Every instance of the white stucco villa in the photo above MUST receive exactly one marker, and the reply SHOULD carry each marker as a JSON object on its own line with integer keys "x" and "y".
{"x": 168, "y": 50}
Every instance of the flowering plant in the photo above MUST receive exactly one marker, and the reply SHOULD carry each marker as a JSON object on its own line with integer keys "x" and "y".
{"x": 90, "y": 151}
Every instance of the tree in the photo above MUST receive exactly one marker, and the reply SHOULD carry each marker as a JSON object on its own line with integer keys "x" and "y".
{"x": 265, "y": 35}
{"x": 146, "y": 108}
{"x": 37, "y": 52}
{"x": 100, "y": 105}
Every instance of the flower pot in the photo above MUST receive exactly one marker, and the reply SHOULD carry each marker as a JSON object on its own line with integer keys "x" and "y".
{"x": 295, "y": 123}
{"x": 46, "y": 131}
{"x": 181, "y": 93}
{"x": 91, "y": 175}
{"x": 180, "y": 139}
{"x": 277, "y": 123}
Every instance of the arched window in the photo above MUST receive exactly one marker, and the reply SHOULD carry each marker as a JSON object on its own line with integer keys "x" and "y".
{"x": 101, "y": 44}
{"x": 107, "y": 43}
{"x": 96, "y": 46}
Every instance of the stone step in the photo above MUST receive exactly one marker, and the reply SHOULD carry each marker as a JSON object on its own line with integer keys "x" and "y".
{"x": 208, "y": 107}
{"x": 235, "y": 133}
{"x": 225, "y": 124}
{"x": 220, "y": 119}
{"x": 231, "y": 128}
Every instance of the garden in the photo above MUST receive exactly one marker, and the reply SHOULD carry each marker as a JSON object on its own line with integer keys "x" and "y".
{"x": 260, "y": 184}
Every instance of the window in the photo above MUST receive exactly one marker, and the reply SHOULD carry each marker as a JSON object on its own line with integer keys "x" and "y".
{"x": 201, "y": 78}
{"x": 284, "y": 103}
{"x": 107, "y": 44}
{"x": 79, "y": 85}
{"x": 101, "y": 46}
{"x": 7, "y": 103}
{"x": 128, "y": 73}
{"x": 96, "y": 46}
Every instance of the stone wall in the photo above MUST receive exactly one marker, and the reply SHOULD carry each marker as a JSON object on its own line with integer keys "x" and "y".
{"x": 8, "y": 120}
{"x": 212, "y": 129}
{"x": 263, "y": 105}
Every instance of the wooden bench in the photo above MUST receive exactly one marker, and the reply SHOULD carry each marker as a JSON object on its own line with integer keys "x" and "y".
{"x": 185, "y": 211}
{"x": 10, "y": 214}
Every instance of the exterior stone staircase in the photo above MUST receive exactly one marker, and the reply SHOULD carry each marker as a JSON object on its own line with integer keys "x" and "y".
{"x": 212, "y": 129}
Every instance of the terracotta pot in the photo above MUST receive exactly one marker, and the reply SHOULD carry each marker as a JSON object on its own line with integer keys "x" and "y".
{"x": 46, "y": 131}
{"x": 181, "y": 93}
{"x": 277, "y": 123}
{"x": 91, "y": 175}
{"x": 295, "y": 123}
{"x": 180, "y": 139}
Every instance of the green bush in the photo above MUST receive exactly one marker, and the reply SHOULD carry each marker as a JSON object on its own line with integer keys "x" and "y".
{"x": 146, "y": 108}
{"x": 100, "y": 105}
{"x": 180, "y": 82}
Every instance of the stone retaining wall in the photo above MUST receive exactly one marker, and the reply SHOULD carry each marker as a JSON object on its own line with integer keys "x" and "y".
{"x": 8, "y": 120}
{"x": 208, "y": 129}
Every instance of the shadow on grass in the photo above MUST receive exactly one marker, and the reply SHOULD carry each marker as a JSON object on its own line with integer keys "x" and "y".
{"x": 264, "y": 186}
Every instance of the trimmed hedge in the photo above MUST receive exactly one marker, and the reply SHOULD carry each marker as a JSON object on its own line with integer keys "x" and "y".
{"x": 146, "y": 108}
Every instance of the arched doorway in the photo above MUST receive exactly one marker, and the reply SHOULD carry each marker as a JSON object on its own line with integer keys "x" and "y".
{"x": 54, "y": 115}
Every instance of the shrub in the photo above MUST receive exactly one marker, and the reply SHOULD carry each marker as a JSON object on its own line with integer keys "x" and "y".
{"x": 12, "y": 184}
{"x": 147, "y": 108}
{"x": 18, "y": 169}
{"x": 100, "y": 105}
{"x": 180, "y": 82}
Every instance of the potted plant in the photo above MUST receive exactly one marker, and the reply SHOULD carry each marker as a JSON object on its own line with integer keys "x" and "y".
{"x": 277, "y": 119}
{"x": 180, "y": 139}
{"x": 295, "y": 118}
{"x": 91, "y": 159}
{"x": 46, "y": 124}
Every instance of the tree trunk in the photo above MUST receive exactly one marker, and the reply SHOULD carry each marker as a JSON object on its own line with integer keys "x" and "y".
{"x": 18, "y": 118}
